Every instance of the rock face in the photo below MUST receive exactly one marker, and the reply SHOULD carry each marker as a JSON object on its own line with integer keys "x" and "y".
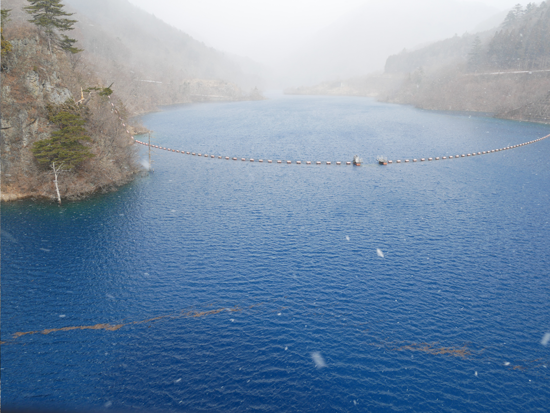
{"x": 538, "y": 111}
{"x": 32, "y": 80}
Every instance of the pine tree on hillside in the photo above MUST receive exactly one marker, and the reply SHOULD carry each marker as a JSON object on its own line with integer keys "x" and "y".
{"x": 475, "y": 55}
{"x": 6, "y": 46}
{"x": 64, "y": 150}
{"x": 49, "y": 16}
{"x": 513, "y": 16}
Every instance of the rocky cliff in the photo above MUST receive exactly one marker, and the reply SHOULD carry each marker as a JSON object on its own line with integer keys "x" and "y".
{"x": 33, "y": 80}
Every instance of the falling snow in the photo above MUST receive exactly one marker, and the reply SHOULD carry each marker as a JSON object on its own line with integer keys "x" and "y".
{"x": 318, "y": 359}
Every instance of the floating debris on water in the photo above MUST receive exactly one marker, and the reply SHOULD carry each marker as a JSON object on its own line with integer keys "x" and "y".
{"x": 108, "y": 327}
{"x": 429, "y": 348}
{"x": 115, "y": 327}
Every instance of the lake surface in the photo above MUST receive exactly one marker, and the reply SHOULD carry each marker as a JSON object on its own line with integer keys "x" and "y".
{"x": 214, "y": 285}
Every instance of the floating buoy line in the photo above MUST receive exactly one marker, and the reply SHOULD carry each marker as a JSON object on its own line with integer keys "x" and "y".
{"x": 381, "y": 161}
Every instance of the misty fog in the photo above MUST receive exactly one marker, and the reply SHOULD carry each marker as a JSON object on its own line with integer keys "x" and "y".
{"x": 305, "y": 42}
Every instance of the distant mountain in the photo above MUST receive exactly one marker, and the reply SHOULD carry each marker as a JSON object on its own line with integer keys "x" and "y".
{"x": 361, "y": 41}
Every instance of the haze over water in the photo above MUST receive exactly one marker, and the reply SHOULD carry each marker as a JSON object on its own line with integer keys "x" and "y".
{"x": 418, "y": 287}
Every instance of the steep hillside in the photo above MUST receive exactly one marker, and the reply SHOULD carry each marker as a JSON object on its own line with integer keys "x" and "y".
{"x": 506, "y": 72}
{"x": 150, "y": 63}
{"x": 37, "y": 84}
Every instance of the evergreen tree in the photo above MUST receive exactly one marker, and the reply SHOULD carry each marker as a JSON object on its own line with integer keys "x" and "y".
{"x": 67, "y": 44}
{"x": 513, "y": 16}
{"x": 64, "y": 147}
{"x": 64, "y": 150}
{"x": 5, "y": 17}
{"x": 49, "y": 16}
{"x": 475, "y": 55}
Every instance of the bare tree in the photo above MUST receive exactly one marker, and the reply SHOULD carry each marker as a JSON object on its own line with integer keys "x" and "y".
{"x": 57, "y": 170}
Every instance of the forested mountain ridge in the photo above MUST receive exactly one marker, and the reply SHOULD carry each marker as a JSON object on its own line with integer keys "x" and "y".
{"x": 505, "y": 71}
{"x": 521, "y": 42}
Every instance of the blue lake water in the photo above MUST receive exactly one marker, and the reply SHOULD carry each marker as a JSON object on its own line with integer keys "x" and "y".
{"x": 240, "y": 286}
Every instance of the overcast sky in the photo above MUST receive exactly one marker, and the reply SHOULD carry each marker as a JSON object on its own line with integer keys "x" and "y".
{"x": 258, "y": 29}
